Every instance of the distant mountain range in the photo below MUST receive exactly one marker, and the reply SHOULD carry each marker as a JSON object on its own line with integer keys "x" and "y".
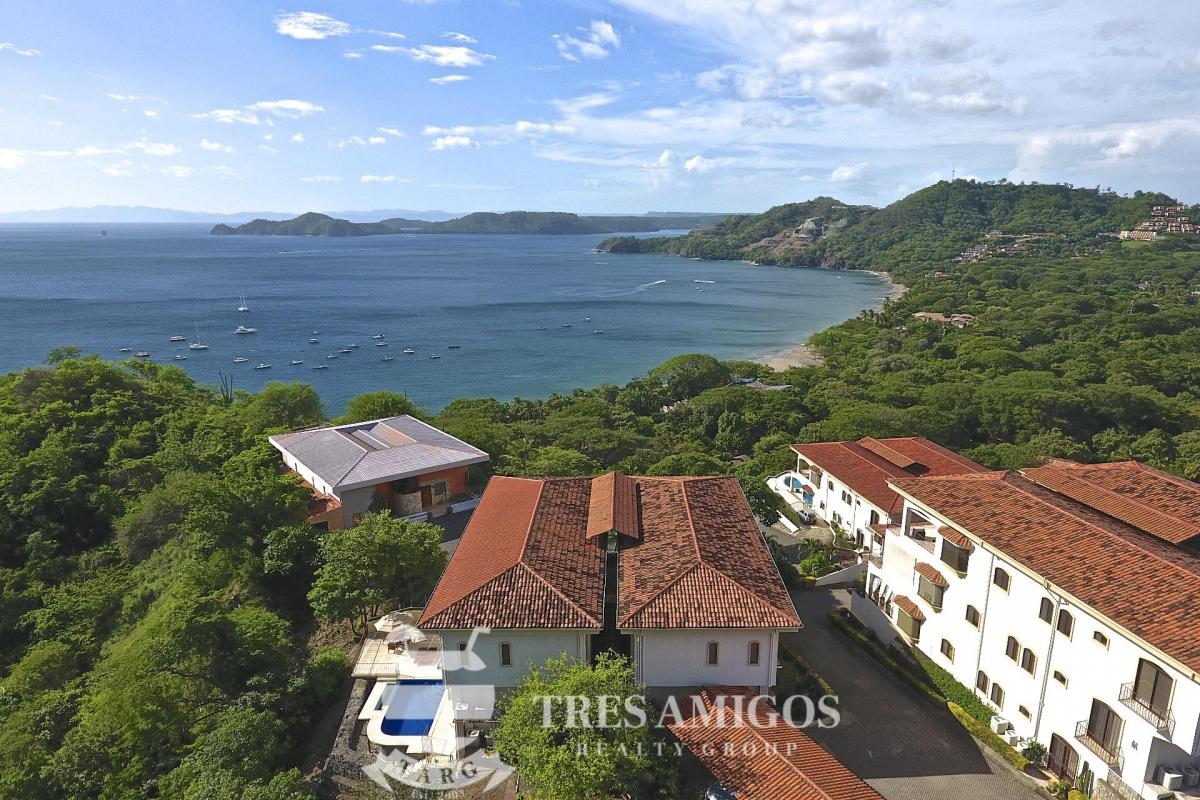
{"x": 147, "y": 214}
{"x": 512, "y": 222}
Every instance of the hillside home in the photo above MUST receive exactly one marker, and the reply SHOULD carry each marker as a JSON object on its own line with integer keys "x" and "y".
{"x": 846, "y": 483}
{"x": 672, "y": 572}
{"x": 1067, "y": 596}
{"x": 399, "y": 464}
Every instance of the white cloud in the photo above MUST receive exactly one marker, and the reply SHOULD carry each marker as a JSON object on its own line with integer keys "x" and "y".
{"x": 442, "y": 80}
{"x": 309, "y": 25}
{"x": 289, "y": 109}
{"x": 358, "y": 140}
{"x": 849, "y": 172}
{"x": 395, "y": 133}
{"x": 699, "y": 163}
{"x": 351, "y": 54}
{"x": 229, "y": 116}
{"x": 298, "y": 138}
{"x": 50, "y": 98}
{"x": 321, "y": 179}
{"x": 153, "y": 148}
{"x": 599, "y": 39}
{"x": 178, "y": 171}
{"x": 452, "y": 142}
{"x": 440, "y": 55}
{"x": 457, "y": 130}
{"x": 122, "y": 169}
{"x": 215, "y": 147}
{"x": 9, "y": 47}
{"x": 377, "y": 179}
{"x": 461, "y": 38}
{"x": 526, "y": 127}
{"x": 225, "y": 172}
{"x": 11, "y": 158}
{"x": 151, "y": 114}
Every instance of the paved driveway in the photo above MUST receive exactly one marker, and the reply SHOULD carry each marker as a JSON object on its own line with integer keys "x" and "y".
{"x": 900, "y": 743}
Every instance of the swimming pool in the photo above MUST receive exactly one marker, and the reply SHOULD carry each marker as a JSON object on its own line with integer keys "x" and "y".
{"x": 409, "y": 707}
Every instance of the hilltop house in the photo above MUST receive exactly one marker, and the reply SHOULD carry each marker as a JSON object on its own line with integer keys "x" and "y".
{"x": 398, "y": 464}
{"x": 672, "y": 572}
{"x": 846, "y": 483}
{"x": 1067, "y": 596}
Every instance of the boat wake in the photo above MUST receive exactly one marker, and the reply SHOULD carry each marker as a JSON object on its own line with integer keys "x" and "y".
{"x": 606, "y": 294}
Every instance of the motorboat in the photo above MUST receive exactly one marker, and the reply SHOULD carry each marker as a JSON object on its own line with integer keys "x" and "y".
{"x": 242, "y": 330}
{"x": 296, "y": 362}
{"x": 408, "y": 351}
{"x": 388, "y": 358}
{"x": 377, "y": 336}
{"x": 178, "y": 339}
{"x": 321, "y": 366}
{"x": 240, "y": 360}
{"x": 381, "y": 344}
{"x": 345, "y": 350}
{"x": 179, "y": 357}
{"x": 314, "y": 340}
{"x": 142, "y": 354}
{"x": 262, "y": 366}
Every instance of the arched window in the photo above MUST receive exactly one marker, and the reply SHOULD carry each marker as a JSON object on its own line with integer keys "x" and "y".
{"x": 1001, "y": 578}
{"x": 1066, "y": 622}
{"x": 754, "y": 653}
{"x": 1012, "y": 648}
{"x": 713, "y": 653}
{"x": 1028, "y": 661}
{"x": 1046, "y": 610}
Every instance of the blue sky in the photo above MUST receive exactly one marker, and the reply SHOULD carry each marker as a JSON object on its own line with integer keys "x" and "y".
{"x": 622, "y": 106}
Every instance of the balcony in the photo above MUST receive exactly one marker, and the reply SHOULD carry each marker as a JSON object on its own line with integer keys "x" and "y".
{"x": 1109, "y": 753}
{"x": 1162, "y": 719}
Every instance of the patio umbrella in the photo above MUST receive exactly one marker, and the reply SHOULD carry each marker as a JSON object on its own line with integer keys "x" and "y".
{"x": 389, "y": 621}
{"x": 406, "y": 632}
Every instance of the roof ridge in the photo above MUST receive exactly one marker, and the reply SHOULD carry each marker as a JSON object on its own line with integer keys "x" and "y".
{"x": 550, "y": 585}
{"x": 474, "y": 591}
{"x": 746, "y": 589}
{"x": 1068, "y": 474}
{"x": 537, "y": 504}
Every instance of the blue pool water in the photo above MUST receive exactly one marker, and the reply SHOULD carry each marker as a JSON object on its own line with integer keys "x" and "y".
{"x": 505, "y": 302}
{"x": 409, "y": 707}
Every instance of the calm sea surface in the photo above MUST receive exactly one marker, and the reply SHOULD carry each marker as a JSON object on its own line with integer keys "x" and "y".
{"x": 504, "y": 301}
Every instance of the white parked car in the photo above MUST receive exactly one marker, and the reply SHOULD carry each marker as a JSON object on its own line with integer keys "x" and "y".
{"x": 806, "y": 516}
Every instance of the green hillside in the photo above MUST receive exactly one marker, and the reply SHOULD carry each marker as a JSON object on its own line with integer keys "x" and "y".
{"x": 312, "y": 224}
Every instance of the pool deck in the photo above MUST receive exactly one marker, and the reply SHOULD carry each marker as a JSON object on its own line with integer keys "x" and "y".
{"x": 376, "y": 661}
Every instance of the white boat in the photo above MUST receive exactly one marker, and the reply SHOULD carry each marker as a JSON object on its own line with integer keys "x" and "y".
{"x": 388, "y": 358}
{"x": 352, "y": 346}
{"x": 243, "y": 306}
{"x": 242, "y": 330}
{"x": 332, "y": 355}
{"x": 198, "y": 344}
{"x": 434, "y": 355}
{"x": 179, "y": 358}
{"x": 408, "y": 351}
{"x": 240, "y": 360}
{"x": 296, "y": 361}
{"x": 262, "y": 366}
{"x": 345, "y": 350}
{"x": 381, "y": 344}
{"x": 178, "y": 339}
{"x": 124, "y": 350}
{"x": 142, "y": 354}
{"x": 321, "y": 366}
{"x": 598, "y": 330}
{"x": 377, "y": 336}
{"x": 314, "y": 340}
{"x": 566, "y": 325}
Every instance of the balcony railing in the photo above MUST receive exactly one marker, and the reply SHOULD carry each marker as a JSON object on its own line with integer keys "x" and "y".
{"x": 876, "y": 560}
{"x": 1162, "y": 719}
{"x": 1111, "y": 757}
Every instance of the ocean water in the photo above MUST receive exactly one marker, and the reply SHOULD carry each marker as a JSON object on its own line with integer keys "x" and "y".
{"x": 504, "y": 301}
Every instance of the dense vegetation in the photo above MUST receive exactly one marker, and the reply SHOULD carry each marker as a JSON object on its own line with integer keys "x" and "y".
{"x": 163, "y": 607}
{"x": 930, "y": 225}
{"x": 512, "y": 222}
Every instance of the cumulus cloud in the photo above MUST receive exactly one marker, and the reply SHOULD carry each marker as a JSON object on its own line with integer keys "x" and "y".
{"x": 377, "y": 179}
{"x": 9, "y": 47}
{"x": 461, "y": 38}
{"x": 352, "y": 54}
{"x": 849, "y": 172}
{"x": 228, "y": 116}
{"x": 298, "y": 138}
{"x": 456, "y": 56}
{"x": 309, "y": 25}
{"x": 395, "y": 133}
{"x": 121, "y": 169}
{"x": 442, "y": 80}
{"x": 594, "y": 42}
{"x": 698, "y": 164}
{"x": 290, "y": 109}
{"x": 215, "y": 147}
{"x": 358, "y": 141}
{"x": 153, "y": 148}
{"x": 454, "y": 138}
{"x": 178, "y": 171}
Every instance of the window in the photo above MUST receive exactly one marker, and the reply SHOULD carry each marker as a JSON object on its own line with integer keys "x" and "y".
{"x": 874, "y": 517}
{"x": 1012, "y": 648}
{"x": 505, "y": 654}
{"x": 846, "y": 498}
{"x": 1058, "y": 676}
{"x": 973, "y": 615}
{"x": 1046, "y": 610}
{"x": 1100, "y": 638}
{"x": 1152, "y": 688}
{"x": 1104, "y": 727}
{"x": 462, "y": 647}
{"x": 1001, "y": 578}
{"x": 1066, "y": 623}
{"x": 930, "y": 592}
{"x": 356, "y": 518}
{"x": 909, "y": 626}
{"x": 440, "y": 490}
{"x": 981, "y": 681}
{"x": 997, "y": 695}
{"x": 1024, "y": 712}
{"x": 754, "y": 653}
{"x": 955, "y": 557}
{"x": 947, "y": 650}
{"x": 1028, "y": 661}
{"x": 713, "y": 653}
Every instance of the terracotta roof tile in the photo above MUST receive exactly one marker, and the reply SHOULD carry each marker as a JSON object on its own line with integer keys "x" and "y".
{"x": 956, "y": 538}
{"x": 906, "y": 605}
{"x": 868, "y": 464}
{"x": 930, "y": 573}
{"x": 613, "y": 506}
{"x": 1155, "y": 502}
{"x": 758, "y": 756}
{"x": 1142, "y": 583}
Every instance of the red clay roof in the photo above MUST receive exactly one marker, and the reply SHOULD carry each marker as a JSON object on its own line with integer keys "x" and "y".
{"x": 930, "y": 573}
{"x": 1149, "y": 587}
{"x": 758, "y": 756}
{"x": 956, "y": 538}
{"x": 1148, "y": 499}
{"x": 906, "y": 605}
{"x": 694, "y": 558}
{"x": 868, "y": 464}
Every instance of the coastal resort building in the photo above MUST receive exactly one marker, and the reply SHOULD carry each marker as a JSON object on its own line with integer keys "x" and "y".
{"x": 846, "y": 483}
{"x": 1066, "y": 595}
{"x": 672, "y": 572}
{"x": 752, "y": 753}
{"x": 399, "y": 465}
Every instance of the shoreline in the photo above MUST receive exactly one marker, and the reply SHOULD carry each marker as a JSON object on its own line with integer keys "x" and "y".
{"x": 802, "y": 355}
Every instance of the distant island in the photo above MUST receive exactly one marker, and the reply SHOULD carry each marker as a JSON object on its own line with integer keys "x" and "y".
{"x": 512, "y": 222}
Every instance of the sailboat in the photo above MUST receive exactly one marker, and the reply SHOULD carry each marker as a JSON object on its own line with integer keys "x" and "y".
{"x": 198, "y": 344}
{"x": 243, "y": 306}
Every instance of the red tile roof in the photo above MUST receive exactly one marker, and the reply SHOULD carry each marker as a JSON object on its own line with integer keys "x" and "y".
{"x": 956, "y": 538}
{"x": 906, "y": 605}
{"x": 1149, "y": 587}
{"x": 693, "y": 556}
{"x": 758, "y": 756}
{"x": 930, "y": 573}
{"x": 1153, "y": 501}
{"x": 868, "y": 464}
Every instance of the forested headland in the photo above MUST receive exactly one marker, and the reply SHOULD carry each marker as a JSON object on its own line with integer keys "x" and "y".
{"x": 169, "y": 627}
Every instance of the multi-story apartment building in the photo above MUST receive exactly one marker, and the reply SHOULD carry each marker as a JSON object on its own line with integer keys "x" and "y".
{"x": 1068, "y": 596}
{"x": 846, "y": 483}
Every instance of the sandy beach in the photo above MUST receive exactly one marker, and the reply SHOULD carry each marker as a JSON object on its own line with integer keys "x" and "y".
{"x": 804, "y": 356}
